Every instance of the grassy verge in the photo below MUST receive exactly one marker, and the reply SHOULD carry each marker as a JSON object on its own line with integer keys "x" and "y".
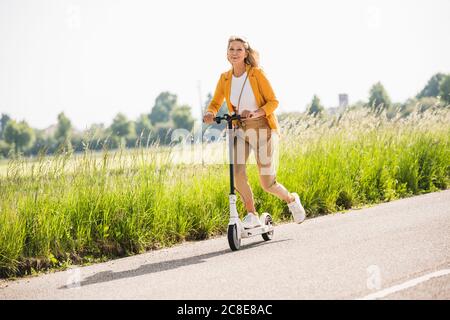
{"x": 116, "y": 205}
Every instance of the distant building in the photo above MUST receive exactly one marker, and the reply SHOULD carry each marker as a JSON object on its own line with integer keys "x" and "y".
{"x": 343, "y": 103}
{"x": 343, "y": 100}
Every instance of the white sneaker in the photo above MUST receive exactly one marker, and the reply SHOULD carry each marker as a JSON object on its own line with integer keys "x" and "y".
{"x": 251, "y": 220}
{"x": 296, "y": 208}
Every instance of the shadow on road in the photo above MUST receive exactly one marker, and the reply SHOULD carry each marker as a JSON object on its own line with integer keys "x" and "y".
{"x": 106, "y": 276}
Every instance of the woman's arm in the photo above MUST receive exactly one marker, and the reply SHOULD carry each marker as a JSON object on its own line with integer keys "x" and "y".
{"x": 266, "y": 92}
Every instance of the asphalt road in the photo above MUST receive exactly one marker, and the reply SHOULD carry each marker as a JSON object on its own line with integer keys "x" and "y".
{"x": 396, "y": 250}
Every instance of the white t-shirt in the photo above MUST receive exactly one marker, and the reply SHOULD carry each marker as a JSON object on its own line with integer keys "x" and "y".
{"x": 248, "y": 101}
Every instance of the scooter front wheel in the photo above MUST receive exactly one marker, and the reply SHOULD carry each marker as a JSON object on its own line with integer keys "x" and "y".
{"x": 234, "y": 239}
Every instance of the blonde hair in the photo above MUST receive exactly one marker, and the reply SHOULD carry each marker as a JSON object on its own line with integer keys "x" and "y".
{"x": 253, "y": 55}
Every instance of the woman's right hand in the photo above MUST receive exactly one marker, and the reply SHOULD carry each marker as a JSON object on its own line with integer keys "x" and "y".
{"x": 208, "y": 117}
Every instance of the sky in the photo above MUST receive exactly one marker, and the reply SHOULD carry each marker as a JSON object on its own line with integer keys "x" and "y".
{"x": 92, "y": 59}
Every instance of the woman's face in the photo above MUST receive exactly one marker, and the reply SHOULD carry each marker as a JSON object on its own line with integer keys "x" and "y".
{"x": 236, "y": 52}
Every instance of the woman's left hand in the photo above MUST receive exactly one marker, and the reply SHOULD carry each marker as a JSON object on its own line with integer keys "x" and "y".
{"x": 256, "y": 114}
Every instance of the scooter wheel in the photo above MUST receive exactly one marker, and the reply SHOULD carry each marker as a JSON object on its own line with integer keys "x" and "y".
{"x": 233, "y": 238}
{"x": 268, "y": 222}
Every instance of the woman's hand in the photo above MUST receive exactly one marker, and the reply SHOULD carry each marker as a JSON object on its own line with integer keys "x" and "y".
{"x": 208, "y": 117}
{"x": 256, "y": 114}
{"x": 246, "y": 114}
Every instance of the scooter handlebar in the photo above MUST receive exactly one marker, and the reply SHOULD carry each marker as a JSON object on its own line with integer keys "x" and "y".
{"x": 227, "y": 118}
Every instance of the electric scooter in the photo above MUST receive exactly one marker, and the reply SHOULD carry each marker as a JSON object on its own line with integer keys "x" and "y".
{"x": 236, "y": 231}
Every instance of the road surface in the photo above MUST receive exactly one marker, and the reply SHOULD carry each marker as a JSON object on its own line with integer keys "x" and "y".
{"x": 395, "y": 250}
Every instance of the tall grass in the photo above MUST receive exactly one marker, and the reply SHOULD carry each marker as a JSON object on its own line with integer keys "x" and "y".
{"x": 60, "y": 210}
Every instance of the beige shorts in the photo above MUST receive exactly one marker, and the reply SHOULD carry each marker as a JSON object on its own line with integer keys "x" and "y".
{"x": 255, "y": 134}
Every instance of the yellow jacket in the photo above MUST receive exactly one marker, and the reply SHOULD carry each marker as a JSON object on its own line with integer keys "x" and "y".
{"x": 264, "y": 95}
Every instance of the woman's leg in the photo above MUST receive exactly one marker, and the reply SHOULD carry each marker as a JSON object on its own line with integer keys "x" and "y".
{"x": 267, "y": 174}
{"x": 241, "y": 153}
{"x": 269, "y": 184}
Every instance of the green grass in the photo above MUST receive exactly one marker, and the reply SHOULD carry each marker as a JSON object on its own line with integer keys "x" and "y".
{"x": 60, "y": 210}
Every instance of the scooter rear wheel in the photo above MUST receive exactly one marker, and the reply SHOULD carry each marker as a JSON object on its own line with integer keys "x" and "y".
{"x": 233, "y": 238}
{"x": 268, "y": 222}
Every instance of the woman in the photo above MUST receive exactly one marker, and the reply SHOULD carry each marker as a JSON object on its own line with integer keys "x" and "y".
{"x": 248, "y": 93}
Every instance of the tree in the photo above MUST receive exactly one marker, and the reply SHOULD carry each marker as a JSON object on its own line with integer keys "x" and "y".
{"x": 4, "y": 149}
{"x": 3, "y": 122}
{"x": 64, "y": 127}
{"x": 182, "y": 118}
{"x": 43, "y": 143}
{"x": 96, "y": 131}
{"x": 379, "y": 98}
{"x": 426, "y": 103}
{"x": 432, "y": 87}
{"x": 315, "y": 108}
{"x": 120, "y": 126}
{"x": 121, "y": 129}
{"x": 408, "y": 107}
{"x": 163, "y": 132}
{"x": 96, "y": 137}
{"x": 444, "y": 89}
{"x": 164, "y": 104}
{"x": 143, "y": 126}
{"x": 63, "y": 131}
{"x": 20, "y": 135}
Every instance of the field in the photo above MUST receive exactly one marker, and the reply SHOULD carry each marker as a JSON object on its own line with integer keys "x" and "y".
{"x": 66, "y": 209}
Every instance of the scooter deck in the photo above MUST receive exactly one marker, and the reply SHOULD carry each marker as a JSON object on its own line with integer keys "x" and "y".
{"x": 246, "y": 233}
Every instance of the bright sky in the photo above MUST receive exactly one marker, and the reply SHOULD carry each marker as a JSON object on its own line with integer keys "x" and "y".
{"x": 95, "y": 58}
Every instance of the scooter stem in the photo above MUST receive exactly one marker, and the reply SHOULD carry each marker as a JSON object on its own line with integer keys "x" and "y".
{"x": 231, "y": 155}
{"x": 229, "y": 119}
